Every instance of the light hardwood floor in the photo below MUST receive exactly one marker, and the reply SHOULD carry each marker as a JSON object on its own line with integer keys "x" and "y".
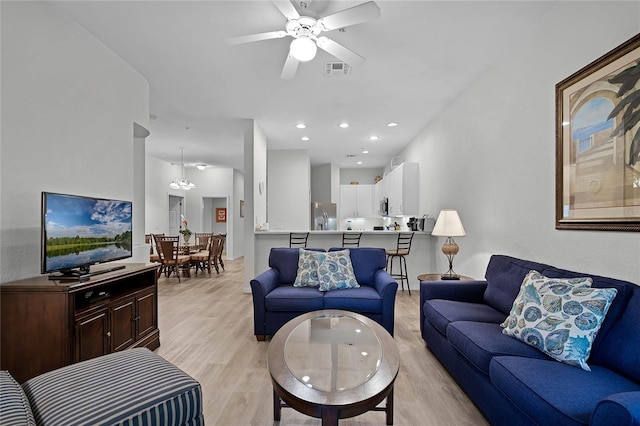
{"x": 206, "y": 329}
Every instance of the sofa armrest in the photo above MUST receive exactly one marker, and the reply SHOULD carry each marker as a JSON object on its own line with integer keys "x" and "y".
{"x": 387, "y": 287}
{"x": 262, "y": 285}
{"x": 617, "y": 409}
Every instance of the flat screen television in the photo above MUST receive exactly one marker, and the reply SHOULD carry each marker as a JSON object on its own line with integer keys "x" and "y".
{"x": 78, "y": 232}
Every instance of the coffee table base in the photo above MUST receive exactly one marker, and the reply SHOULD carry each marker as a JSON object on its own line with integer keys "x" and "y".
{"x": 331, "y": 414}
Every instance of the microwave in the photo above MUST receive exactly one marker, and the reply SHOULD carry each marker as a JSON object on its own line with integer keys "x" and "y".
{"x": 384, "y": 207}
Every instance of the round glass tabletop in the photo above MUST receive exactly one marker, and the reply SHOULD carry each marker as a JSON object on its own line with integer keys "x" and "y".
{"x": 332, "y": 352}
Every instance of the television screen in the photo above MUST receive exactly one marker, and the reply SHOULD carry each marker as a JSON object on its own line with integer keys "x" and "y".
{"x": 81, "y": 231}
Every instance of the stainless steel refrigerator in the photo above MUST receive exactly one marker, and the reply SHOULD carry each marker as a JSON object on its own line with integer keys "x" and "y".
{"x": 323, "y": 217}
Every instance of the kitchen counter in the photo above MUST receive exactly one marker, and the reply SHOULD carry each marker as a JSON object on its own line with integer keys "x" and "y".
{"x": 420, "y": 260}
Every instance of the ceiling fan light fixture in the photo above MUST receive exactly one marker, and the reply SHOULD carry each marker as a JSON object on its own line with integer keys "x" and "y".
{"x": 303, "y": 49}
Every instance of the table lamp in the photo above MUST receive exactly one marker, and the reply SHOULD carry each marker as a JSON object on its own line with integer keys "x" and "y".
{"x": 449, "y": 225}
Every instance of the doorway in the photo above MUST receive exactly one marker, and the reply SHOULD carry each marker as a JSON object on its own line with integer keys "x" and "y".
{"x": 210, "y": 223}
{"x": 176, "y": 210}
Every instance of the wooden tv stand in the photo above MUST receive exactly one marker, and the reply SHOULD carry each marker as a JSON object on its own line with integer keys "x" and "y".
{"x": 47, "y": 324}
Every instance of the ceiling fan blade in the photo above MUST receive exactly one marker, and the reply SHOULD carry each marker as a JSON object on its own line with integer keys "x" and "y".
{"x": 290, "y": 68}
{"x": 339, "y": 51}
{"x": 356, "y": 15}
{"x": 255, "y": 37}
{"x": 287, "y": 9}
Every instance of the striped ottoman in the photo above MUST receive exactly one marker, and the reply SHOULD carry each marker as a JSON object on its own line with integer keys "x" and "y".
{"x": 132, "y": 387}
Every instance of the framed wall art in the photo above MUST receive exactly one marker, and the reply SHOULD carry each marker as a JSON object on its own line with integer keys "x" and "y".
{"x": 221, "y": 214}
{"x": 598, "y": 143}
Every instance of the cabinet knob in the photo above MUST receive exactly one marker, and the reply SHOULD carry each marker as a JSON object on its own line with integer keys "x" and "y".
{"x": 108, "y": 334}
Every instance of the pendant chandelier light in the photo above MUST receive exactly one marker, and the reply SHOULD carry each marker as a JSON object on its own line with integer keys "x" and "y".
{"x": 182, "y": 183}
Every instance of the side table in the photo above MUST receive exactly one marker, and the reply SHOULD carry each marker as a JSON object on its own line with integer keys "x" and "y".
{"x": 437, "y": 277}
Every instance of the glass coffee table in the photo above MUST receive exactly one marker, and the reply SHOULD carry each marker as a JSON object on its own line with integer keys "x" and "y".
{"x": 332, "y": 365}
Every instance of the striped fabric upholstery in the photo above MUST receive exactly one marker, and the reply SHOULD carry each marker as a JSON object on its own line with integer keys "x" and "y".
{"x": 132, "y": 387}
{"x": 14, "y": 405}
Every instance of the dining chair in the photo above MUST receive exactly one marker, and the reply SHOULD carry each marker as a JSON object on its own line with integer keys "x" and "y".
{"x": 172, "y": 260}
{"x": 220, "y": 249}
{"x": 403, "y": 247}
{"x": 351, "y": 239}
{"x": 204, "y": 258}
{"x": 298, "y": 239}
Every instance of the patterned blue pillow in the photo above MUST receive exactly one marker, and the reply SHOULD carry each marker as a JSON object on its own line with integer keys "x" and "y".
{"x": 307, "y": 275}
{"x": 560, "y": 317}
{"x": 336, "y": 271}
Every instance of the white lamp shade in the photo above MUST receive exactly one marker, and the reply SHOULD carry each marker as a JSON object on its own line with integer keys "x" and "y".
{"x": 303, "y": 49}
{"x": 448, "y": 225}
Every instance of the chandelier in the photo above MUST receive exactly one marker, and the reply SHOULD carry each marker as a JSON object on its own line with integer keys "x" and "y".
{"x": 182, "y": 183}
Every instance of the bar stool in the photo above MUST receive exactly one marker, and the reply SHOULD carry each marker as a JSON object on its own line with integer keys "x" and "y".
{"x": 403, "y": 248}
{"x": 351, "y": 239}
{"x": 298, "y": 239}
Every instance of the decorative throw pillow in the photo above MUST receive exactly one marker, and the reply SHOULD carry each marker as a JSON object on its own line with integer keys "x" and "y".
{"x": 307, "y": 275}
{"x": 336, "y": 271}
{"x": 560, "y": 317}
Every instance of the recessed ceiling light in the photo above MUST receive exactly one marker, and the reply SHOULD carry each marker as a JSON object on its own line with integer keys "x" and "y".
{"x": 344, "y": 125}
{"x": 392, "y": 124}
{"x": 373, "y": 138}
{"x": 305, "y": 138}
{"x": 359, "y": 162}
{"x": 364, "y": 151}
{"x": 201, "y": 166}
{"x": 301, "y": 126}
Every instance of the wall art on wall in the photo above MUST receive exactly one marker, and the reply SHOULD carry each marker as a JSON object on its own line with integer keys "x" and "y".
{"x": 598, "y": 143}
{"x": 221, "y": 214}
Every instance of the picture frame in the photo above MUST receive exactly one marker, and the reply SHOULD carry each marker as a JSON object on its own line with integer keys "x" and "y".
{"x": 241, "y": 208}
{"x": 598, "y": 143}
{"x": 221, "y": 214}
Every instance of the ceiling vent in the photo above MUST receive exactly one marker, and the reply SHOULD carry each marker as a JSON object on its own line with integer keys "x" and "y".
{"x": 336, "y": 69}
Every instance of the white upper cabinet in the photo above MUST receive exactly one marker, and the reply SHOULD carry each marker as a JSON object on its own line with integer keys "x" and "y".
{"x": 401, "y": 187}
{"x": 356, "y": 201}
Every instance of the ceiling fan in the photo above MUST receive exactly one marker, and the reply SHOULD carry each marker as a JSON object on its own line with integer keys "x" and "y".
{"x": 306, "y": 33}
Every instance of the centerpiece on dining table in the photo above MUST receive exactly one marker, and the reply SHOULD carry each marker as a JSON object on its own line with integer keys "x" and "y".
{"x": 186, "y": 232}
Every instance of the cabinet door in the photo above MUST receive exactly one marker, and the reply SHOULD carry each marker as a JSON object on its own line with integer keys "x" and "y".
{"x": 365, "y": 201}
{"x": 122, "y": 324}
{"x": 394, "y": 191}
{"x": 92, "y": 335}
{"x": 147, "y": 318}
{"x": 348, "y": 201}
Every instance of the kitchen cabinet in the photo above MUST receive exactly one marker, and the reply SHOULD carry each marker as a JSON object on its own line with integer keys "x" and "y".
{"x": 401, "y": 187}
{"x": 356, "y": 201}
{"x": 378, "y": 195}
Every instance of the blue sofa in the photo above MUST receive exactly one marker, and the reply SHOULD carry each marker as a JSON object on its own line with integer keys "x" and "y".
{"x": 276, "y": 300}
{"x": 513, "y": 383}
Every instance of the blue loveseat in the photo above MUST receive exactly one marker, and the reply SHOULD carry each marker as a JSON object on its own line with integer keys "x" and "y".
{"x": 513, "y": 383}
{"x": 276, "y": 300}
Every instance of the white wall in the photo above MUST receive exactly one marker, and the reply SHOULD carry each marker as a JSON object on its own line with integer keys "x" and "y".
{"x": 68, "y": 111}
{"x": 236, "y": 245}
{"x": 491, "y": 154}
{"x": 289, "y": 178}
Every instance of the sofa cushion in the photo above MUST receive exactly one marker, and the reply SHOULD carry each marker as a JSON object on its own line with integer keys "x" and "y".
{"x": 335, "y": 271}
{"x": 14, "y": 405}
{"x": 560, "y": 317}
{"x": 307, "y": 274}
{"x": 287, "y": 298}
{"x": 619, "y": 348}
{"x": 442, "y": 312}
{"x": 481, "y": 341}
{"x": 285, "y": 261}
{"x": 363, "y": 299}
{"x": 600, "y": 351}
{"x": 366, "y": 262}
{"x": 130, "y": 387}
{"x": 550, "y": 392}
{"x": 504, "y": 276}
